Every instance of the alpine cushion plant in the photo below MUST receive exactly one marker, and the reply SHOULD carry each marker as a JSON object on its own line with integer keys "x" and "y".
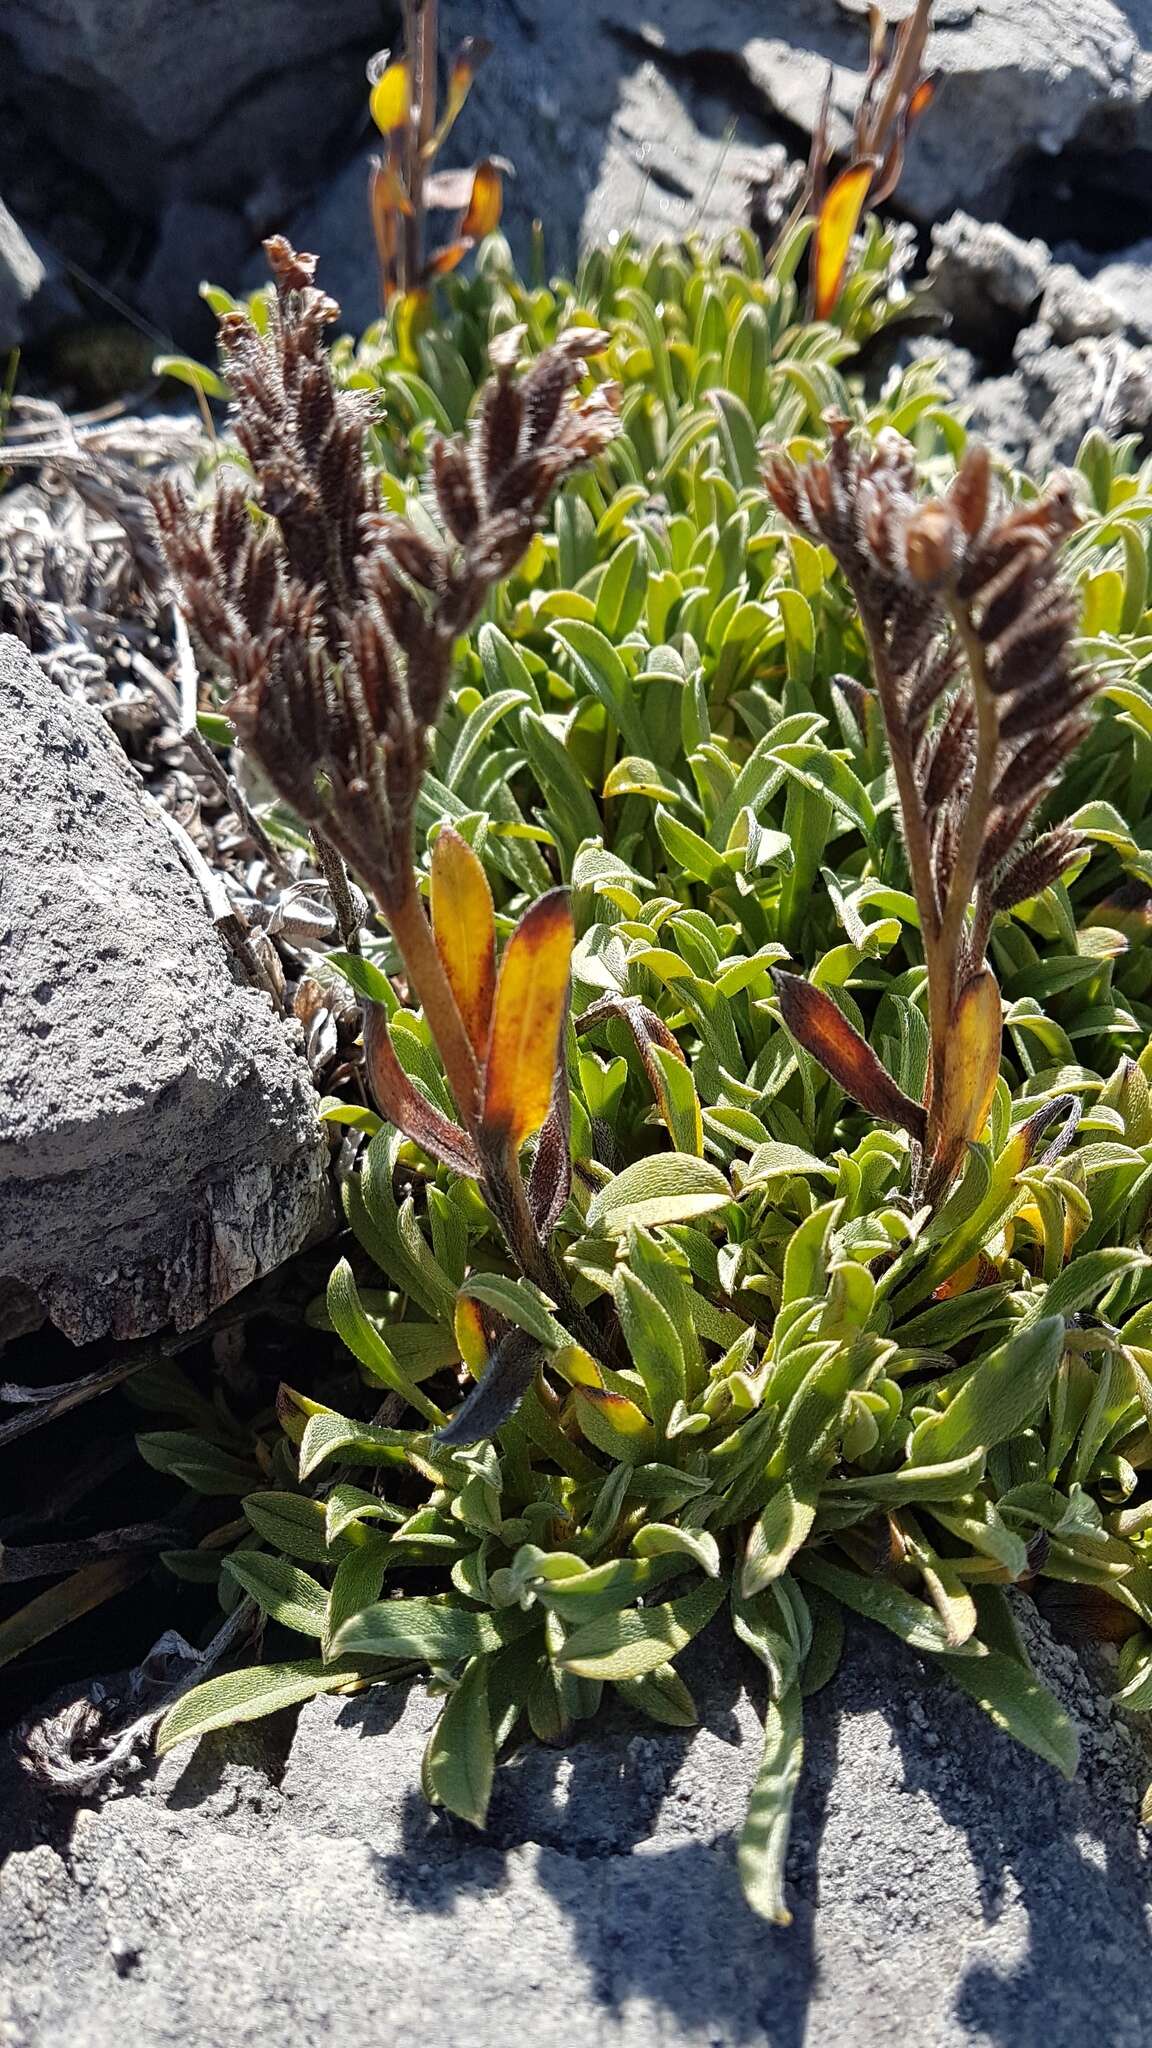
{"x": 643, "y": 729}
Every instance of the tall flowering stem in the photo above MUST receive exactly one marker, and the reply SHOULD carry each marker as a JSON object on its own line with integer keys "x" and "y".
{"x": 969, "y": 627}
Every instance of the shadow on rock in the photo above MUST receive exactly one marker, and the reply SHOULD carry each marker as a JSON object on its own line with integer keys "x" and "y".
{"x": 946, "y": 1884}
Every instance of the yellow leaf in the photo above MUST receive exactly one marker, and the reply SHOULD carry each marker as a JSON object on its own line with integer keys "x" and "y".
{"x": 471, "y": 1335}
{"x": 391, "y": 99}
{"x": 528, "y": 1019}
{"x": 838, "y": 221}
{"x": 486, "y": 203}
{"x": 464, "y": 927}
{"x": 971, "y": 1068}
{"x": 577, "y": 1366}
{"x": 609, "y": 1421}
{"x": 972, "y": 1060}
{"x": 409, "y": 319}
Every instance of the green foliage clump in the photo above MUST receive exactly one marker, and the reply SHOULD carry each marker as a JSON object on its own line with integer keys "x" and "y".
{"x": 774, "y": 1387}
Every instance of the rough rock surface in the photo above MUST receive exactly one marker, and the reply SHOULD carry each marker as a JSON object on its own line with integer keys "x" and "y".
{"x": 614, "y": 116}
{"x": 159, "y": 1146}
{"x": 986, "y": 280}
{"x": 1070, "y": 349}
{"x": 948, "y": 1887}
{"x": 181, "y": 103}
{"x": 1126, "y": 285}
{"x": 616, "y": 120}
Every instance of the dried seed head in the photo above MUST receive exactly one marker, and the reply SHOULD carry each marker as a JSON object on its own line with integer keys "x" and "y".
{"x": 971, "y": 488}
{"x": 292, "y": 270}
{"x": 931, "y": 544}
{"x": 949, "y": 754}
{"x": 1036, "y": 867}
{"x": 334, "y": 621}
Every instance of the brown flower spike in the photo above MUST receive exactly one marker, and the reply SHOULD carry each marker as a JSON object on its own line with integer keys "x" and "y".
{"x": 969, "y": 629}
{"x": 335, "y": 622}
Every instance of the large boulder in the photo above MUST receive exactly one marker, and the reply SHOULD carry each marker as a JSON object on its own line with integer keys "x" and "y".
{"x": 147, "y": 92}
{"x": 113, "y": 112}
{"x": 288, "y": 1884}
{"x": 660, "y": 125}
{"x": 159, "y": 1144}
{"x": 121, "y": 119}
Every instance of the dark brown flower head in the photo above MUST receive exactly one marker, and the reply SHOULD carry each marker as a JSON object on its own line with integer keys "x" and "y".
{"x": 961, "y": 599}
{"x": 970, "y": 627}
{"x": 334, "y": 620}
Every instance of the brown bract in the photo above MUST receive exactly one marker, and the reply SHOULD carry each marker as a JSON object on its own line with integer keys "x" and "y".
{"x": 969, "y": 626}
{"x": 333, "y": 620}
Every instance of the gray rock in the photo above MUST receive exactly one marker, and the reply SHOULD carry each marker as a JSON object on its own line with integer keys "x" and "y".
{"x": 1072, "y": 309}
{"x": 21, "y": 276}
{"x": 159, "y": 1146}
{"x": 195, "y": 241}
{"x": 652, "y": 124}
{"x": 613, "y": 120}
{"x": 1127, "y": 285}
{"x": 1037, "y": 413}
{"x": 1103, "y": 383}
{"x": 177, "y": 101}
{"x": 947, "y": 1886}
{"x": 985, "y": 279}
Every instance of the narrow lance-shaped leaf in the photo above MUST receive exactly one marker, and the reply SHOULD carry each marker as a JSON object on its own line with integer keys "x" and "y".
{"x": 464, "y": 927}
{"x": 839, "y": 219}
{"x": 461, "y": 1756}
{"x": 528, "y": 1019}
{"x": 400, "y": 1101}
{"x": 629, "y": 1644}
{"x": 1019, "y": 1704}
{"x": 249, "y": 1695}
{"x": 511, "y": 1371}
{"x": 764, "y": 1841}
{"x": 824, "y": 1031}
{"x": 971, "y": 1070}
{"x": 466, "y": 62}
{"x": 999, "y": 1397}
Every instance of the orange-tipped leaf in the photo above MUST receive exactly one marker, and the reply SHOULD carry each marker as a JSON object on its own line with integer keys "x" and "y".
{"x": 528, "y": 1017}
{"x": 824, "y": 1031}
{"x": 837, "y": 223}
{"x": 486, "y": 203}
{"x": 921, "y": 99}
{"x": 445, "y": 260}
{"x": 465, "y": 64}
{"x": 464, "y": 927}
